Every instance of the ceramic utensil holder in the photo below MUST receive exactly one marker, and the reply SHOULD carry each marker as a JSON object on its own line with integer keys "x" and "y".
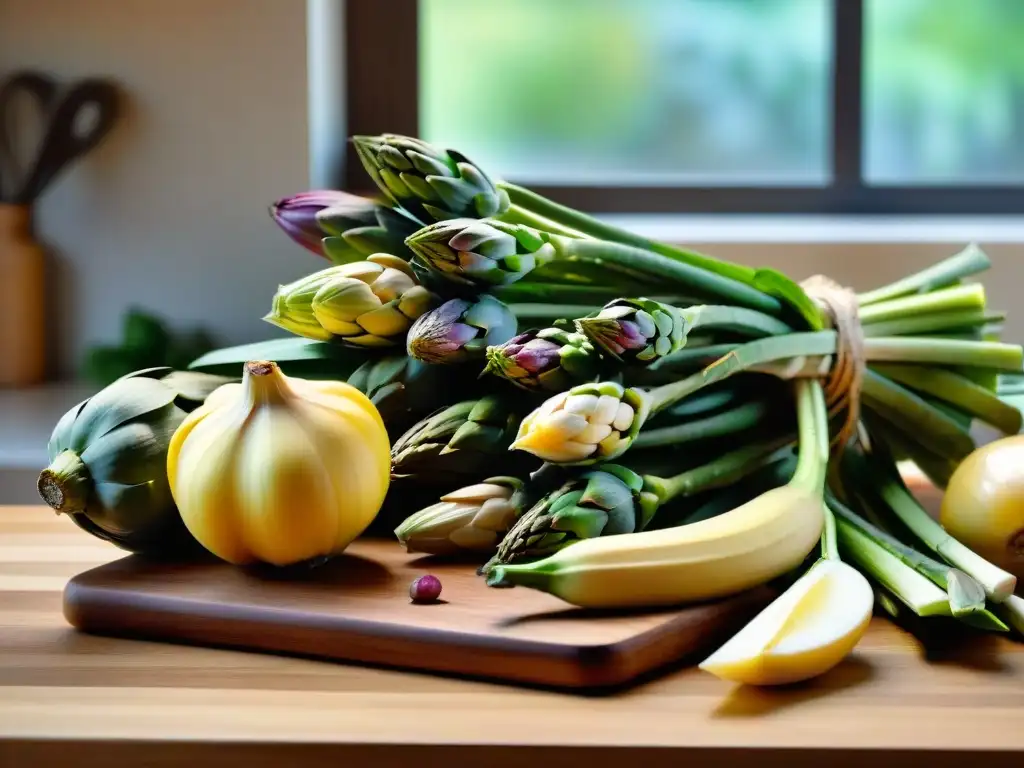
{"x": 22, "y": 300}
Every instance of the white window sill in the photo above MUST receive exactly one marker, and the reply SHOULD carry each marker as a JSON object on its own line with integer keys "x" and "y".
{"x": 28, "y": 417}
{"x": 768, "y": 229}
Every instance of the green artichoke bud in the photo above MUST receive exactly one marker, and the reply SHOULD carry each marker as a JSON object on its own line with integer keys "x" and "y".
{"x": 469, "y": 519}
{"x": 601, "y": 502}
{"x": 368, "y": 303}
{"x": 481, "y": 253}
{"x": 357, "y": 227}
{"x": 108, "y": 460}
{"x": 638, "y": 331}
{"x": 458, "y": 443}
{"x": 584, "y": 425}
{"x": 403, "y": 388}
{"x": 433, "y": 184}
{"x": 461, "y": 330}
{"x": 550, "y": 360}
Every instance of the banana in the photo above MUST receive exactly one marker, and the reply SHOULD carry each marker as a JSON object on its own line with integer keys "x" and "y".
{"x": 745, "y": 547}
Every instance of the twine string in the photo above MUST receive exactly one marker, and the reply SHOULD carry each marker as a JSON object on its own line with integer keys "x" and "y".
{"x": 844, "y": 382}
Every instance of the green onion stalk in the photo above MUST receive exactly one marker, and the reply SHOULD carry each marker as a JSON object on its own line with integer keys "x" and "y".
{"x": 966, "y": 596}
{"x": 875, "y": 472}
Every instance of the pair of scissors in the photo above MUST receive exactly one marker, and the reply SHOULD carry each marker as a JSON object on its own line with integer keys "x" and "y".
{"x": 26, "y": 100}
{"x": 71, "y": 123}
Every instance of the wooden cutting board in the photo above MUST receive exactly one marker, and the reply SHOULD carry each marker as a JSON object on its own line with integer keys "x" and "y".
{"x": 356, "y": 608}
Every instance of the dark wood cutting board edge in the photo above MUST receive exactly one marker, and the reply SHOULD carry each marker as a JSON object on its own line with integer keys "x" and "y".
{"x": 113, "y": 600}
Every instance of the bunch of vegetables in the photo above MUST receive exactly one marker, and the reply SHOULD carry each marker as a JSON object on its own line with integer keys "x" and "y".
{"x": 618, "y": 421}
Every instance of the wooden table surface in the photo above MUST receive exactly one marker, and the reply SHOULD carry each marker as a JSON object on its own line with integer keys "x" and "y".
{"x": 72, "y": 699}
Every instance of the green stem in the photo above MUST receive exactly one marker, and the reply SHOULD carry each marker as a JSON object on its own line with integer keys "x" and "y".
{"x": 745, "y": 357}
{"x": 525, "y": 292}
{"x": 516, "y": 214}
{"x": 737, "y": 419}
{"x": 979, "y": 354}
{"x": 592, "y": 275}
{"x": 690, "y": 357}
{"x": 593, "y": 227}
{"x": 936, "y": 468}
{"x": 971, "y": 260}
{"x": 724, "y": 470}
{"x": 700, "y": 404}
{"x": 930, "y": 323}
{"x": 1012, "y": 612}
{"x": 829, "y": 543}
{"x": 915, "y": 415}
{"x": 958, "y": 299}
{"x": 725, "y": 289}
{"x": 998, "y": 584}
{"x": 551, "y": 311}
{"x": 812, "y": 428}
{"x": 965, "y": 594}
{"x": 747, "y": 322}
{"x": 909, "y": 586}
{"x": 956, "y": 390}
{"x": 66, "y": 484}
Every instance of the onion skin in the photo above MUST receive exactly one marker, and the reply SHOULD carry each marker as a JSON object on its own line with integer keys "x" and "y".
{"x": 984, "y": 503}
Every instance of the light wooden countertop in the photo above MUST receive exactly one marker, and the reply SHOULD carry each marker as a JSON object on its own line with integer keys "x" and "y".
{"x": 72, "y": 699}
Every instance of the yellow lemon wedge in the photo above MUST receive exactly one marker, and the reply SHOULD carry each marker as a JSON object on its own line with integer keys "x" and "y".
{"x": 806, "y": 631}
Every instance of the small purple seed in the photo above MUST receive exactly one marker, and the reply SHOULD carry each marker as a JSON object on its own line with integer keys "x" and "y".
{"x": 425, "y": 589}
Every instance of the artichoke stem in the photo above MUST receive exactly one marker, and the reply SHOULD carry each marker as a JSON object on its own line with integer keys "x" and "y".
{"x": 65, "y": 484}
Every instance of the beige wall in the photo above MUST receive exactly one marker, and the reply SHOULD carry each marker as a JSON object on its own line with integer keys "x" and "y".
{"x": 171, "y": 212}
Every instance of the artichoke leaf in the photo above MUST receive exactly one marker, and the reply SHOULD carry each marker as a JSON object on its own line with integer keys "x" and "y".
{"x": 116, "y": 404}
{"x": 134, "y": 452}
{"x": 60, "y": 439}
{"x": 129, "y": 508}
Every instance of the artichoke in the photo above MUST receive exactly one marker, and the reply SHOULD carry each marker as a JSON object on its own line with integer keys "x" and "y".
{"x": 360, "y": 227}
{"x": 296, "y": 215}
{"x": 459, "y": 443}
{"x": 368, "y": 303}
{"x": 343, "y": 227}
{"x": 432, "y": 184}
{"x": 601, "y": 502}
{"x": 405, "y": 389}
{"x": 481, "y": 253}
{"x": 550, "y": 360}
{"x": 460, "y": 330}
{"x": 638, "y": 331}
{"x": 469, "y": 519}
{"x": 585, "y": 424}
{"x": 108, "y": 459}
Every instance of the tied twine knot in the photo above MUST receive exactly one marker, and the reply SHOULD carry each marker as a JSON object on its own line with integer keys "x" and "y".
{"x": 843, "y": 385}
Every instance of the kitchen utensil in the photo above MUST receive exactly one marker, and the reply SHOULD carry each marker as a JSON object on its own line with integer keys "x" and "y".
{"x": 26, "y": 101}
{"x": 70, "y": 133}
{"x": 67, "y": 125}
{"x": 356, "y": 608}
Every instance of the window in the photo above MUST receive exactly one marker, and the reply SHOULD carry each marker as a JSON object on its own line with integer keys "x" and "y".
{"x": 861, "y": 106}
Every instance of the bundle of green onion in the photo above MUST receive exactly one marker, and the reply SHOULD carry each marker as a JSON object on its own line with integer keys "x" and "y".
{"x": 654, "y": 382}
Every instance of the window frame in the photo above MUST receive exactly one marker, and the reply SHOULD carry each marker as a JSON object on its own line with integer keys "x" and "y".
{"x": 382, "y": 95}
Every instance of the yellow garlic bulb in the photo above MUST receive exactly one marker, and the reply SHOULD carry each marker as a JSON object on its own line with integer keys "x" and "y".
{"x": 278, "y": 469}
